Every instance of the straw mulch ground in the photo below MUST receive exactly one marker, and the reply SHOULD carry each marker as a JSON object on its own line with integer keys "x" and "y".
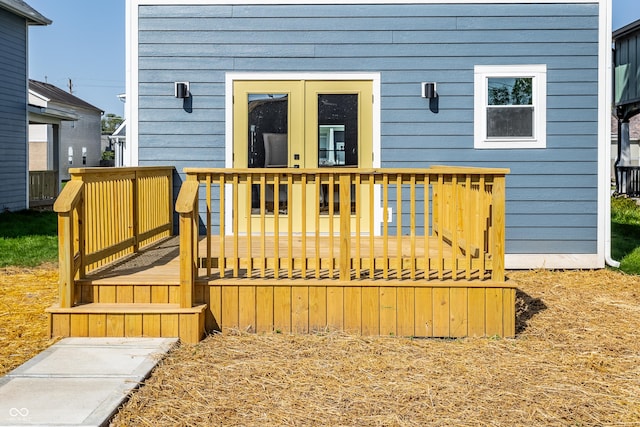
{"x": 575, "y": 361}
{"x": 24, "y": 295}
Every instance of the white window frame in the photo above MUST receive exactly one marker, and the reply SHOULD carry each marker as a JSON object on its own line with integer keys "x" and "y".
{"x": 537, "y": 72}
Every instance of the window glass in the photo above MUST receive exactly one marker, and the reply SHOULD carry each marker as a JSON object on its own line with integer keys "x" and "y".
{"x": 510, "y": 107}
{"x": 510, "y": 91}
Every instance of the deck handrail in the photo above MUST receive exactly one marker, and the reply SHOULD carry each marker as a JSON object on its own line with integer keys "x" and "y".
{"x": 107, "y": 214}
{"x": 465, "y": 207}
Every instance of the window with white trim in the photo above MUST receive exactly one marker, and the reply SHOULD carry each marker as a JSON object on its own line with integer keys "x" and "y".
{"x": 510, "y": 104}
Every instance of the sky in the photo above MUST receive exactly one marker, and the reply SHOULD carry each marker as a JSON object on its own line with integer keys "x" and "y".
{"x": 86, "y": 43}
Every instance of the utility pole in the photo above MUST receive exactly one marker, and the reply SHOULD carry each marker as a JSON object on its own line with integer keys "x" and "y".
{"x": 70, "y": 86}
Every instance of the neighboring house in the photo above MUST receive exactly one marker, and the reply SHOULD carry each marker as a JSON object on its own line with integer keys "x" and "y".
{"x": 524, "y": 85}
{"x": 118, "y": 140}
{"x": 627, "y": 106}
{"x": 65, "y": 131}
{"x": 633, "y": 153}
{"x": 15, "y": 18}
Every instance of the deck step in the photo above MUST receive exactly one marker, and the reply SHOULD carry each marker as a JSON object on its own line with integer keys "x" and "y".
{"x": 128, "y": 320}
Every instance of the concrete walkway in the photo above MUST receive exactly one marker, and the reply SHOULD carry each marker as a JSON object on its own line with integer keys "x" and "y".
{"x": 78, "y": 381}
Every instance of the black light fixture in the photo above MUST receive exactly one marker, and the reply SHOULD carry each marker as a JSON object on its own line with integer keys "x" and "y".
{"x": 182, "y": 90}
{"x": 429, "y": 90}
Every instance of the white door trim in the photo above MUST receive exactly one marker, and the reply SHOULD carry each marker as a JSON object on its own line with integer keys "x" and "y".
{"x": 231, "y": 77}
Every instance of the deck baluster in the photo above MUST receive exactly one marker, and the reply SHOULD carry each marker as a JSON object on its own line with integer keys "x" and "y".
{"x": 345, "y": 227}
{"x": 458, "y": 217}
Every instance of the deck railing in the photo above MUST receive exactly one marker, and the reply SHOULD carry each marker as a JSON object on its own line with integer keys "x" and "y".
{"x": 107, "y": 214}
{"x": 628, "y": 180}
{"x": 446, "y": 223}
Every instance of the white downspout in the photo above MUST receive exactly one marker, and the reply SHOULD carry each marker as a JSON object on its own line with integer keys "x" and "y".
{"x": 607, "y": 240}
{"x": 605, "y": 22}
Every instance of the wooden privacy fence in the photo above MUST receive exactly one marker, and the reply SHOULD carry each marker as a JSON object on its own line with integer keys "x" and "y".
{"x": 446, "y": 223}
{"x": 106, "y": 214}
{"x": 43, "y": 185}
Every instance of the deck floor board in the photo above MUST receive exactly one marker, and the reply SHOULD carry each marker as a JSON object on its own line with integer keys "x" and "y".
{"x": 159, "y": 264}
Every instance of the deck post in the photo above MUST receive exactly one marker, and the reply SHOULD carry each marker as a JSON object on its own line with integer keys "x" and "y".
{"x": 187, "y": 207}
{"x": 135, "y": 213}
{"x": 187, "y": 276}
{"x": 65, "y": 259}
{"x": 498, "y": 219}
{"x": 345, "y": 226}
{"x": 69, "y": 231}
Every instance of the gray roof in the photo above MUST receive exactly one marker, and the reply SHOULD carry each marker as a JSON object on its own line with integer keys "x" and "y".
{"x": 58, "y": 95}
{"x": 627, "y": 30}
{"x": 20, "y": 8}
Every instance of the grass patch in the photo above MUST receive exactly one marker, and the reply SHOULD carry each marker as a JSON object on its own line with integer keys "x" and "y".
{"x": 28, "y": 238}
{"x": 625, "y": 234}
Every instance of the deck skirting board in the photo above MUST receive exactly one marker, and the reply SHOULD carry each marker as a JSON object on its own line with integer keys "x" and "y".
{"x": 442, "y": 309}
{"x": 433, "y": 308}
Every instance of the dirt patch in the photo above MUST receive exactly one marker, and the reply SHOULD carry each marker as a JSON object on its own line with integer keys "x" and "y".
{"x": 575, "y": 361}
{"x": 24, "y": 295}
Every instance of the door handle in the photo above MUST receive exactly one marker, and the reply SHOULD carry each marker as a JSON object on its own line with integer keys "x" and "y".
{"x": 296, "y": 166}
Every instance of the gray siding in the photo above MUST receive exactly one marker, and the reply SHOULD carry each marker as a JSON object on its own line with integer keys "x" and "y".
{"x": 551, "y": 193}
{"x": 627, "y": 63}
{"x": 13, "y": 112}
{"x": 85, "y": 132}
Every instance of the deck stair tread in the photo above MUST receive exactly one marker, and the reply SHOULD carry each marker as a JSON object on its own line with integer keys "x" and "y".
{"x": 139, "y": 308}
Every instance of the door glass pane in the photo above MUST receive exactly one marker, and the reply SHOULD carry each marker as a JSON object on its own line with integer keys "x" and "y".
{"x": 337, "y": 140}
{"x": 267, "y": 133}
{"x": 337, "y": 130}
{"x": 268, "y": 144}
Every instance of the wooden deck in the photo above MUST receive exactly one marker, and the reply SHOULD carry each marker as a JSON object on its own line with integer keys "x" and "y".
{"x": 401, "y": 307}
{"x": 440, "y": 273}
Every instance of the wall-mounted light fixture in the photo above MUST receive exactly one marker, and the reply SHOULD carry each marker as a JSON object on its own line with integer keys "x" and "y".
{"x": 182, "y": 90}
{"x": 429, "y": 90}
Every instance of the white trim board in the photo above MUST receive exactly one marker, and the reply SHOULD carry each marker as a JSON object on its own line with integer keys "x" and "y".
{"x": 481, "y": 74}
{"x": 231, "y": 77}
{"x": 321, "y": 2}
{"x": 553, "y": 261}
{"x": 605, "y": 90}
{"x": 130, "y": 151}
